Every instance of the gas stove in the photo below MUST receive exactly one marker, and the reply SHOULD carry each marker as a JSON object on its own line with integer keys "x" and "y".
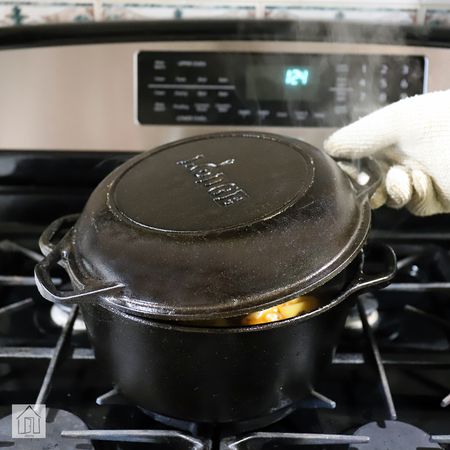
{"x": 77, "y": 101}
{"x": 387, "y": 388}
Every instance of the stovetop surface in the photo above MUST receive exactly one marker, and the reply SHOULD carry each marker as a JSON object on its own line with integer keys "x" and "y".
{"x": 395, "y": 373}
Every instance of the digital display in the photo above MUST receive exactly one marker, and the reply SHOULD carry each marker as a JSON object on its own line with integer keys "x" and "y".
{"x": 296, "y": 76}
{"x": 270, "y": 89}
{"x": 281, "y": 83}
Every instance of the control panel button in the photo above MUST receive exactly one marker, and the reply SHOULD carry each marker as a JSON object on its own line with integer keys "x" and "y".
{"x": 281, "y": 114}
{"x": 301, "y": 115}
{"x": 244, "y": 113}
{"x": 222, "y": 107}
{"x": 382, "y": 97}
{"x": 159, "y": 107}
{"x": 181, "y": 107}
{"x": 159, "y": 64}
{"x": 342, "y": 68}
{"x": 340, "y": 109}
{"x": 384, "y": 69}
{"x": 202, "y": 107}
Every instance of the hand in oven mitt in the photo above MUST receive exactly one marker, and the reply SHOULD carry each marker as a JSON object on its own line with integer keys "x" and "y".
{"x": 411, "y": 141}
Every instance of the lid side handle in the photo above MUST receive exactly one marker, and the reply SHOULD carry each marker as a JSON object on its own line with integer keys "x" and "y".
{"x": 47, "y": 288}
{"x": 47, "y": 240}
{"x": 365, "y": 174}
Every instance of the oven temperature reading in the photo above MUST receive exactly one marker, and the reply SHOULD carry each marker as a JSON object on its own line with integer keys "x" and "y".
{"x": 296, "y": 76}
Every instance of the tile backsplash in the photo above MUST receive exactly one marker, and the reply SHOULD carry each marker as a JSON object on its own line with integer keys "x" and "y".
{"x": 136, "y": 10}
{"x": 420, "y": 12}
{"x": 33, "y": 12}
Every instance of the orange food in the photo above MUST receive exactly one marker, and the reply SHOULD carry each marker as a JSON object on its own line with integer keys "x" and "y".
{"x": 292, "y": 308}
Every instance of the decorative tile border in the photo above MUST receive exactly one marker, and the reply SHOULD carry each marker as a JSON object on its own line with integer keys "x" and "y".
{"x": 26, "y": 13}
{"x": 402, "y": 12}
{"x": 438, "y": 17}
{"x": 341, "y": 14}
{"x": 130, "y": 11}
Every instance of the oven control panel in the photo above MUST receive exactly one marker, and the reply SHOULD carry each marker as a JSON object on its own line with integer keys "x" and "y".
{"x": 270, "y": 89}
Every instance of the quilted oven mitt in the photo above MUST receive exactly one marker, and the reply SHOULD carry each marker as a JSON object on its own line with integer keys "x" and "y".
{"x": 411, "y": 141}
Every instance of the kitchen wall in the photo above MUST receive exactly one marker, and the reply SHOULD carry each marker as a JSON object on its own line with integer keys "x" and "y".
{"x": 422, "y": 12}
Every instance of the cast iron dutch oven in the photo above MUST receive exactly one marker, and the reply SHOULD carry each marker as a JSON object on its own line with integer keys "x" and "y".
{"x": 215, "y": 227}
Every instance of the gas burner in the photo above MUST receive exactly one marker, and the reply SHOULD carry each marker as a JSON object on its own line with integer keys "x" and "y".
{"x": 393, "y": 434}
{"x": 199, "y": 429}
{"x": 60, "y": 315}
{"x": 57, "y": 421}
{"x": 315, "y": 400}
{"x": 370, "y": 305}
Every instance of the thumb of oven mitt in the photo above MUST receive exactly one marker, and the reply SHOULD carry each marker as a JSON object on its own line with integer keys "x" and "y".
{"x": 411, "y": 141}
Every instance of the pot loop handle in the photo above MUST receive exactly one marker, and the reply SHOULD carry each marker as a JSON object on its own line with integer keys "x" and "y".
{"x": 365, "y": 174}
{"x": 59, "y": 256}
{"x": 385, "y": 257}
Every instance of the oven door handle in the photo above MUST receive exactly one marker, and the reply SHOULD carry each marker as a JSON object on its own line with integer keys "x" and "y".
{"x": 59, "y": 256}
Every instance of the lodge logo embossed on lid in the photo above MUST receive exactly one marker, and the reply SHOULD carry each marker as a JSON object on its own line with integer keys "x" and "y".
{"x": 208, "y": 174}
{"x": 213, "y": 183}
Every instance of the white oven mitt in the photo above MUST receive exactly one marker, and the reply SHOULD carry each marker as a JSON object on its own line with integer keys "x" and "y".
{"x": 411, "y": 141}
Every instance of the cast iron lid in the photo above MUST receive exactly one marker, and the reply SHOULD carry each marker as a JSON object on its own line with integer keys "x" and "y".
{"x": 219, "y": 225}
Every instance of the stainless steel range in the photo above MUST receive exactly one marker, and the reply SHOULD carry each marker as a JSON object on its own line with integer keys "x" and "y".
{"x": 79, "y": 101}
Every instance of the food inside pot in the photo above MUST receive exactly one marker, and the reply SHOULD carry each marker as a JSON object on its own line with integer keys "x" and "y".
{"x": 292, "y": 308}
{"x": 283, "y": 311}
